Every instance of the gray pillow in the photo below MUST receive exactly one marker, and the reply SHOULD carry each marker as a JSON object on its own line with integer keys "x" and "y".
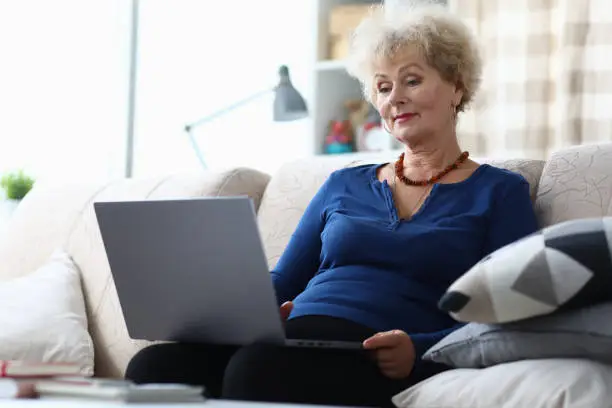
{"x": 583, "y": 333}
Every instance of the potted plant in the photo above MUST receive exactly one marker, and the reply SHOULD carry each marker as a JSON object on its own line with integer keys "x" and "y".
{"x": 16, "y": 185}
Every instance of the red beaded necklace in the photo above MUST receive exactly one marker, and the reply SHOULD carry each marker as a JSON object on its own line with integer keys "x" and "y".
{"x": 399, "y": 171}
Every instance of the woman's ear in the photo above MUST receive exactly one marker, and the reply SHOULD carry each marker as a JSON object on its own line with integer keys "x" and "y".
{"x": 458, "y": 96}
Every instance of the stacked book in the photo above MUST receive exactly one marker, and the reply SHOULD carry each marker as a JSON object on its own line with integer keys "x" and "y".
{"x": 63, "y": 382}
{"x": 18, "y": 378}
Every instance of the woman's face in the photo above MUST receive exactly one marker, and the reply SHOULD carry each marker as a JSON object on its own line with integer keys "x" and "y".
{"x": 412, "y": 98}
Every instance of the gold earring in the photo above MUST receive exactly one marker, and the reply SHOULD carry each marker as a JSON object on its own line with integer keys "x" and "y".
{"x": 384, "y": 126}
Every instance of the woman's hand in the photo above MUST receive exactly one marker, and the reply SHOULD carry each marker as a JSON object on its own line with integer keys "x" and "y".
{"x": 394, "y": 353}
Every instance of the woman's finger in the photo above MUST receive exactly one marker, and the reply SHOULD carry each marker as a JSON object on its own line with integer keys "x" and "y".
{"x": 392, "y": 373}
{"x": 387, "y": 366}
{"x": 385, "y": 355}
{"x": 382, "y": 339}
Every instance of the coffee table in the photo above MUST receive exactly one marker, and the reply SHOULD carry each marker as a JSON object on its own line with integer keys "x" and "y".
{"x": 33, "y": 403}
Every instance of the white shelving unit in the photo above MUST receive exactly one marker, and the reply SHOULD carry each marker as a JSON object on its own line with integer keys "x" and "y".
{"x": 329, "y": 65}
{"x": 332, "y": 84}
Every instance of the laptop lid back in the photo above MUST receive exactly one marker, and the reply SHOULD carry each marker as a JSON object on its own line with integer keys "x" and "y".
{"x": 190, "y": 270}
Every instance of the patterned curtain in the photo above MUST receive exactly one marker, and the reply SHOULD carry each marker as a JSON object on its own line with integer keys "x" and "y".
{"x": 547, "y": 80}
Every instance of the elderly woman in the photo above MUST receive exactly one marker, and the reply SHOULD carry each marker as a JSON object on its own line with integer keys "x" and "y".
{"x": 378, "y": 244}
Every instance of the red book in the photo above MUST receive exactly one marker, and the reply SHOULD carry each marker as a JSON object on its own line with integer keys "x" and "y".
{"x": 28, "y": 369}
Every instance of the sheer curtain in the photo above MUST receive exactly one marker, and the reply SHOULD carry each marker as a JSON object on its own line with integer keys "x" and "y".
{"x": 547, "y": 80}
{"x": 196, "y": 57}
{"x": 63, "y": 82}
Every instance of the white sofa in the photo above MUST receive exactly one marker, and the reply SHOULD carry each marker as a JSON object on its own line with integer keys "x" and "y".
{"x": 573, "y": 183}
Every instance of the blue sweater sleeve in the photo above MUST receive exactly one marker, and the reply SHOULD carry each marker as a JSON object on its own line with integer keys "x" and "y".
{"x": 302, "y": 255}
{"x": 512, "y": 218}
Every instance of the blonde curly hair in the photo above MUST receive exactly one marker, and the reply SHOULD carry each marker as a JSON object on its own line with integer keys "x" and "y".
{"x": 445, "y": 41}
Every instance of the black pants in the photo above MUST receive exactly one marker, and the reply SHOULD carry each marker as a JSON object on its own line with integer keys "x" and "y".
{"x": 276, "y": 374}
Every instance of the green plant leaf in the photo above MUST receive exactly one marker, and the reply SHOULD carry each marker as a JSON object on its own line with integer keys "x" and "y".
{"x": 16, "y": 184}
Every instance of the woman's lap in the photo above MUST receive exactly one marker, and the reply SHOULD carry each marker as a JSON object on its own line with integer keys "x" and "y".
{"x": 306, "y": 375}
{"x": 272, "y": 373}
{"x": 194, "y": 364}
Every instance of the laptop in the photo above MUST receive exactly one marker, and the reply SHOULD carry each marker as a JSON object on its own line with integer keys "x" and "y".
{"x": 194, "y": 270}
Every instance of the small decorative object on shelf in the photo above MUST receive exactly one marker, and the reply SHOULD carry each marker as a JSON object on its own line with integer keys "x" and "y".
{"x": 358, "y": 110}
{"x": 371, "y": 136}
{"x": 343, "y": 19}
{"x": 369, "y": 133}
{"x": 340, "y": 137}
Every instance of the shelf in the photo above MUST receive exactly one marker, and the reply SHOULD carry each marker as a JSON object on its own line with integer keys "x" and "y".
{"x": 330, "y": 65}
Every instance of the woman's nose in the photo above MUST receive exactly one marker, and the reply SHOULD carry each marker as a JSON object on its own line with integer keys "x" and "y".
{"x": 397, "y": 97}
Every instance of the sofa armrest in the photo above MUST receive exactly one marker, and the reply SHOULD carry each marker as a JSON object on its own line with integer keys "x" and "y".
{"x": 55, "y": 216}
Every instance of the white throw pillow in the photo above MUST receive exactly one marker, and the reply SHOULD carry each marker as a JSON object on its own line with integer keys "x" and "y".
{"x": 552, "y": 383}
{"x": 565, "y": 266}
{"x": 43, "y": 318}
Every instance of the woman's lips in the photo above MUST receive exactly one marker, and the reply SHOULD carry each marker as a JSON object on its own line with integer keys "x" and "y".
{"x": 404, "y": 117}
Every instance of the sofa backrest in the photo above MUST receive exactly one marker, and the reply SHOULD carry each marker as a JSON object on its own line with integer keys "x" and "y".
{"x": 62, "y": 217}
{"x": 576, "y": 183}
{"x": 293, "y": 186}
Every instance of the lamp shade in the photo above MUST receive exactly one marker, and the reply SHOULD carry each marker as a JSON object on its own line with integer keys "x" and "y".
{"x": 289, "y": 105}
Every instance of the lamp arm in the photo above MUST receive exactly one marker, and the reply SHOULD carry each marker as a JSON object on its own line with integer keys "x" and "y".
{"x": 227, "y": 109}
{"x": 215, "y": 115}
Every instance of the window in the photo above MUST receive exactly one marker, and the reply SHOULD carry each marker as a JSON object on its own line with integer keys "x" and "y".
{"x": 196, "y": 57}
{"x": 65, "y": 73}
{"x": 63, "y": 81}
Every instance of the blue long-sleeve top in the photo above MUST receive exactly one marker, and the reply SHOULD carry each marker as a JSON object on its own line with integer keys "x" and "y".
{"x": 352, "y": 257}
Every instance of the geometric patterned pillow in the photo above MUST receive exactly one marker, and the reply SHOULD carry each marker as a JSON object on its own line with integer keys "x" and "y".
{"x": 561, "y": 267}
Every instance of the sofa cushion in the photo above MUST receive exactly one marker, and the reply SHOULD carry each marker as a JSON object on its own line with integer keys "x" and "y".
{"x": 43, "y": 318}
{"x": 293, "y": 186}
{"x": 62, "y": 215}
{"x": 554, "y": 383}
{"x": 582, "y": 333}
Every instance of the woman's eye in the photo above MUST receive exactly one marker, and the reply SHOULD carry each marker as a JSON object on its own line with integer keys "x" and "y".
{"x": 413, "y": 82}
{"x": 384, "y": 89}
